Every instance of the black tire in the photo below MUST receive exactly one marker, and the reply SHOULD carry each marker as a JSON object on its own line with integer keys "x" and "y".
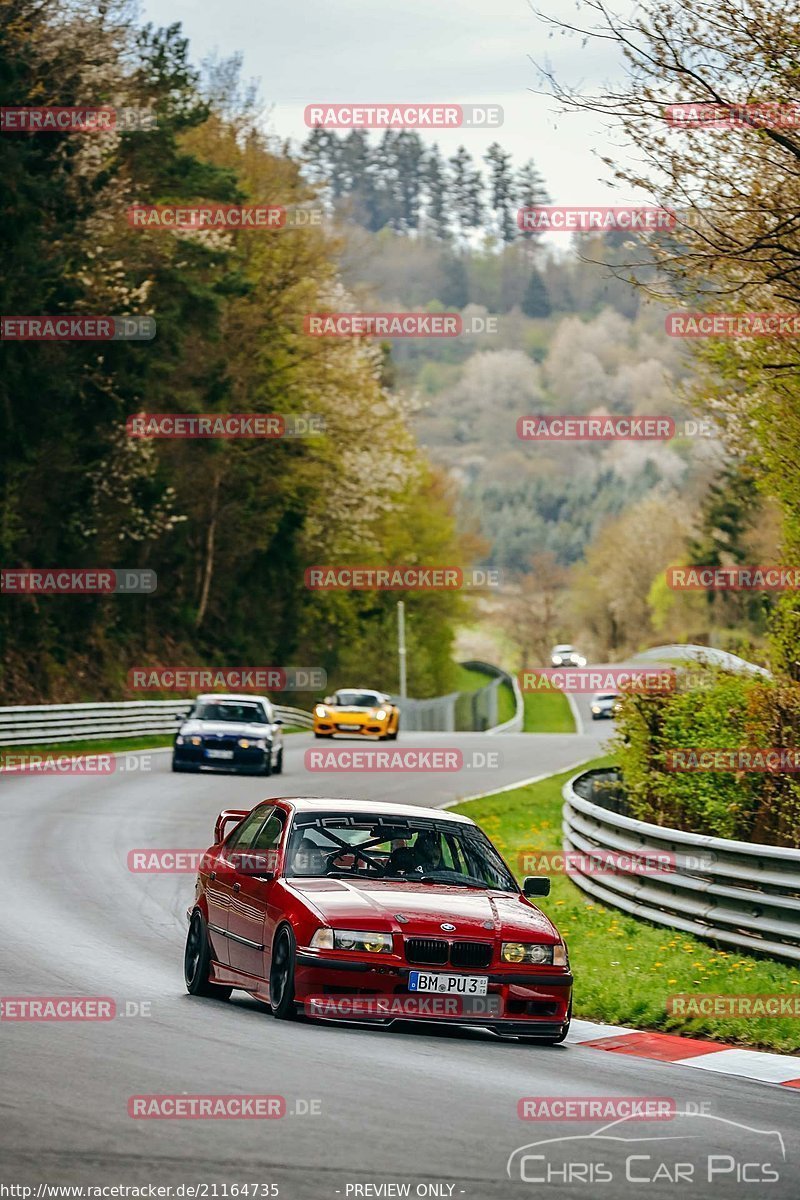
{"x": 197, "y": 962}
{"x": 392, "y": 737}
{"x": 267, "y": 767}
{"x": 281, "y": 976}
{"x": 278, "y": 768}
{"x": 322, "y": 735}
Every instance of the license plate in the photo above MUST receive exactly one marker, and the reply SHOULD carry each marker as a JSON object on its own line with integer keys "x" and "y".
{"x": 461, "y": 985}
{"x": 219, "y": 753}
{"x": 349, "y": 728}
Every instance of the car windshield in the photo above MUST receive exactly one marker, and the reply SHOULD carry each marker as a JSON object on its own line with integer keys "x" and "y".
{"x": 248, "y": 714}
{"x": 563, "y": 650}
{"x": 611, "y": 696}
{"x": 392, "y": 848}
{"x": 357, "y": 699}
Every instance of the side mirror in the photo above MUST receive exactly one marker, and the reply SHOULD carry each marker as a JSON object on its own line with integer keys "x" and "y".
{"x": 328, "y": 700}
{"x": 228, "y": 816}
{"x": 277, "y": 721}
{"x": 536, "y": 885}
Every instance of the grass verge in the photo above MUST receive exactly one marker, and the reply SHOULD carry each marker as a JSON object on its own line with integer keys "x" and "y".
{"x": 626, "y": 968}
{"x": 547, "y": 712}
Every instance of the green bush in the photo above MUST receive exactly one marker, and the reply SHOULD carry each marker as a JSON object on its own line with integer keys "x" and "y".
{"x": 722, "y": 712}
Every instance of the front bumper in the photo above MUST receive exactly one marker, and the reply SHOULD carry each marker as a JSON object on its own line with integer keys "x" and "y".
{"x": 521, "y": 1001}
{"x": 252, "y": 759}
{"x": 328, "y": 727}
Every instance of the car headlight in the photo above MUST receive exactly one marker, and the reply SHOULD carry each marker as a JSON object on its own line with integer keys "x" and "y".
{"x": 380, "y": 714}
{"x": 256, "y": 743}
{"x": 352, "y": 939}
{"x": 526, "y": 952}
{"x": 595, "y": 708}
{"x": 196, "y": 741}
{"x": 320, "y": 711}
{"x": 560, "y": 956}
{"x": 556, "y": 660}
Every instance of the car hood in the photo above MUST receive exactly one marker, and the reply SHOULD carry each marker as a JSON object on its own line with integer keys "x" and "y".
{"x": 352, "y": 708}
{"x": 220, "y": 728}
{"x": 374, "y": 904}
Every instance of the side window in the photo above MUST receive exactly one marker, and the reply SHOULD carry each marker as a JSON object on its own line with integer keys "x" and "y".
{"x": 270, "y": 835}
{"x": 242, "y": 837}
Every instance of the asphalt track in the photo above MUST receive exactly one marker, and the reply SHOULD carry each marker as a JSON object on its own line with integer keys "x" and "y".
{"x": 432, "y": 1109}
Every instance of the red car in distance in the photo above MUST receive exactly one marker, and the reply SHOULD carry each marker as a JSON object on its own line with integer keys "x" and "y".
{"x": 375, "y": 912}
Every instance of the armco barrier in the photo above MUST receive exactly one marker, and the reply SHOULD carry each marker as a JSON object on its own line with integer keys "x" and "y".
{"x": 464, "y": 711}
{"x": 49, "y": 724}
{"x": 514, "y": 725}
{"x": 737, "y": 893}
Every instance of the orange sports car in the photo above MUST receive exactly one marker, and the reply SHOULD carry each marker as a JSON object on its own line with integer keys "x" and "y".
{"x": 357, "y": 712}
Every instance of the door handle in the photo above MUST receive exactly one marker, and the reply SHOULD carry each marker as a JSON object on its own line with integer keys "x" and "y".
{"x": 237, "y": 887}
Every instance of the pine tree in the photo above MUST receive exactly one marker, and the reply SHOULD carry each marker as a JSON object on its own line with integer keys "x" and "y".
{"x": 466, "y": 191}
{"x": 436, "y": 215}
{"x": 502, "y": 194}
{"x": 530, "y": 192}
{"x": 536, "y": 301}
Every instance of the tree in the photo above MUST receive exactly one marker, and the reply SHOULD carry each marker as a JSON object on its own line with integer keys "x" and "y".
{"x": 736, "y": 193}
{"x": 466, "y": 192}
{"x": 532, "y": 613}
{"x": 502, "y": 192}
{"x": 530, "y": 192}
{"x": 437, "y": 215}
{"x": 536, "y": 302}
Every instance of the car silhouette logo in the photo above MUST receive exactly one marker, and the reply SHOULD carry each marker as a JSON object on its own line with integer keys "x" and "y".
{"x": 447, "y": 927}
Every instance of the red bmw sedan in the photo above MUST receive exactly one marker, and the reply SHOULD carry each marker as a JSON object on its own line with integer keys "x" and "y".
{"x": 361, "y": 910}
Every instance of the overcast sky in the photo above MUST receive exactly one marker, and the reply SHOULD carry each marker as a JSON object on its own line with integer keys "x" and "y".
{"x": 470, "y": 51}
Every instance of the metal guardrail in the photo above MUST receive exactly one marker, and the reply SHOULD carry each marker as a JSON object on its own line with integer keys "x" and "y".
{"x": 464, "y": 711}
{"x": 515, "y": 723}
{"x": 738, "y": 893}
{"x": 49, "y": 724}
